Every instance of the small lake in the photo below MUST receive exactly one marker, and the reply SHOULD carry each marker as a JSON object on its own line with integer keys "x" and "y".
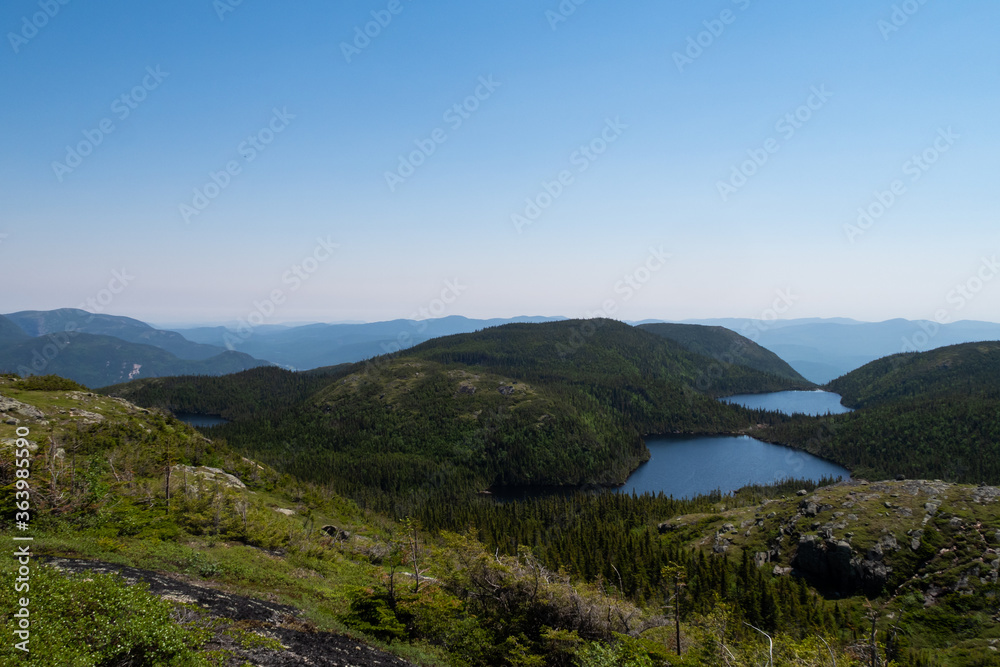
{"x": 200, "y": 420}
{"x": 686, "y": 466}
{"x": 814, "y": 403}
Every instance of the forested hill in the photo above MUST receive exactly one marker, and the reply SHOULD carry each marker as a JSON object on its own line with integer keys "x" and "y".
{"x": 931, "y": 414}
{"x": 725, "y": 345}
{"x": 255, "y": 393}
{"x": 966, "y": 369}
{"x": 599, "y": 350}
{"x": 558, "y": 403}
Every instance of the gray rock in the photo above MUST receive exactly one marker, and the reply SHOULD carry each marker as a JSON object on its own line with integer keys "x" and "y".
{"x": 11, "y": 405}
{"x": 192, "y": 478}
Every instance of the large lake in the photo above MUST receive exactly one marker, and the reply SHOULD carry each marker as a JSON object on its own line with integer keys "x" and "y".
{"x": 805, "y": 402}
{"x": 685, "y": 466}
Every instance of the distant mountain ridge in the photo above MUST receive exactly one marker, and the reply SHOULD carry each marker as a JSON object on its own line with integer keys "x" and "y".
{"x": 317, "y": 345}
{"x": 98, "y": 361}
{"x": 43, "y": 322}
{"x": 98, "y": 350}
{"x": 9, "y": 331}
{"x": 824, "y": 349}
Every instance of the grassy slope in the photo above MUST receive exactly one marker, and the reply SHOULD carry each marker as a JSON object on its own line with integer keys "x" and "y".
{"x": 725, "y": 345}
{"x": 117, "y": 514}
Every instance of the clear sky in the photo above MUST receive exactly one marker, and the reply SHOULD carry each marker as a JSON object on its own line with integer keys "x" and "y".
{"x": 646, "y": 159}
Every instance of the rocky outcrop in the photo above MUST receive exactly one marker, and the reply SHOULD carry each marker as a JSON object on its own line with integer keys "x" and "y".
{"x": 10, "y": 405}
{"x": 190, "y": 479}
{"x": 835, "y": 564}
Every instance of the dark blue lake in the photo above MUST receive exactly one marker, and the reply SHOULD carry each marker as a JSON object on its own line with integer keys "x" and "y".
{"x": 691, "y": 465}
{"x": 685, "y": 466}
{"x": 806, "y": 402}
{"x": 200, "y": 420}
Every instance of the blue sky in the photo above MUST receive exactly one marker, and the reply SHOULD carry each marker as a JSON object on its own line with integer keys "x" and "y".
{"x": 713, "y": 156}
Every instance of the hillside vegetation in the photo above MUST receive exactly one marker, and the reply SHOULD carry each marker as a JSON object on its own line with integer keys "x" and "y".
{"x": 932, "y": 414}
{"x": 550, "y": 404}
{"x": 581, "y": 580}
{"x": 242, "y": 396}
{"x": 727, "y": 346}
{"x": 969, "y": 369}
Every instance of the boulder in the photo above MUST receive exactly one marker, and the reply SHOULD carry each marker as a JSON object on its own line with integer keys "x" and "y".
{"x": 191, "y": 478}
{"x": 10, "y": 405}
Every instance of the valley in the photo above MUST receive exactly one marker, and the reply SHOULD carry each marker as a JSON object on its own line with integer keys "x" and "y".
{"x": 328, "y": 489}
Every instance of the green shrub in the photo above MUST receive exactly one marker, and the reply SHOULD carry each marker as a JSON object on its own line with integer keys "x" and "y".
{"x": 48, "y": 383}
{"x": 370, "y": 613}
{"x": 97, "y": 619}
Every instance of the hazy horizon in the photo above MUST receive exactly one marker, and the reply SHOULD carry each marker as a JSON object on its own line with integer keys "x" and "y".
{"x": 193, "y": 324}
{"x": 204, "y": 161}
